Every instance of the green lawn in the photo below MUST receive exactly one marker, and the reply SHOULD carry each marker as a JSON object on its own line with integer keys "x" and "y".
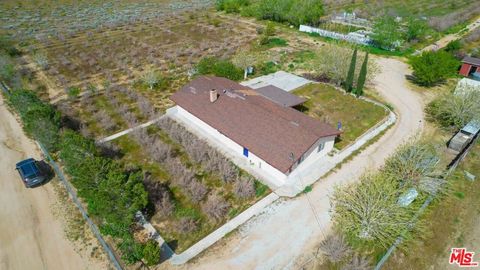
{"x": 452, "y": 221}
{"x": 331, "y": 105}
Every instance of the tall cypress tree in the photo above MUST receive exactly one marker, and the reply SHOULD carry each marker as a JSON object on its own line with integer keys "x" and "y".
{"x": 351, "y": 72}
{"x": 362, "y": 77}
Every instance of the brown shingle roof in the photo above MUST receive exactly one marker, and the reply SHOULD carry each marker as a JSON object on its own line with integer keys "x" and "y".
{"x": 471, "y": 60}
{"x": 270, "y": 131}
{"x": 280, "y": 96}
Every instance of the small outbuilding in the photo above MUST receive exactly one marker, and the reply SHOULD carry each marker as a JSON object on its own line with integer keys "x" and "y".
{"x": 470, "y": 67}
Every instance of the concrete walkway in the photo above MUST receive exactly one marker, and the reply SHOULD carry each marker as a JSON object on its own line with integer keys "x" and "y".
{"x": 281, "y": 79}
{"x": 126, "y": 131}
{"x": 222, "y": 231}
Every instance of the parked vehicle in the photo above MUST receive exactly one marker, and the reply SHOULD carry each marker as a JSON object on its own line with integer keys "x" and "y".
{"x": 31, "y": 172}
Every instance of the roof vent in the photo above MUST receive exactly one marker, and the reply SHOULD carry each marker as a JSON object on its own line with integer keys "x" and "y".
{"x": 291, "y": 156}
{"x": 213, "y": 95}
{"x": 294, "y": 123}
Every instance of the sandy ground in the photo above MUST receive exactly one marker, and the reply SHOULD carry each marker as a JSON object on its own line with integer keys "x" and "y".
{"x": 288, "y": 232}
{"x": 30, "y": 236}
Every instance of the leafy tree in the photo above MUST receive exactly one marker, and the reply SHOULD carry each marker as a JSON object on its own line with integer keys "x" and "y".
{"x": 305, "y": 12}
{"x": 269, "y": 29}
{"x": 431, "y": 68}
{"x": 454, "y": 46}
{"x": 351, "y": 72}
{"x": 367, "y": 213}
{"x": 416, "y": 29}
{"x": 412, "y": 162}
{"x": 151, "y": 253}
{"x": 454, "y": 111}
{"x": 362, "y": 77}
{"x": 386, "y": 33}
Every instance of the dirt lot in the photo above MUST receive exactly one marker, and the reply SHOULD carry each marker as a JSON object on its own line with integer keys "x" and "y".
{"x": 30, "y": 236}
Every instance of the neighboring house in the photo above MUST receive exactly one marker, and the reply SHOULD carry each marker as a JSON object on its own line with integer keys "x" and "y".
{"x": 466, "y": 85}
{"x": 257, "y": 125}
{"x": 470, "y": 67}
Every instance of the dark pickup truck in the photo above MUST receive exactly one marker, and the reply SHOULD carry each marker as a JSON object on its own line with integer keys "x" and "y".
{"x": 31, "y": 172}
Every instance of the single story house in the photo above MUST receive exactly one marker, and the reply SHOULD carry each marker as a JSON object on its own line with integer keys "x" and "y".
{"x": 259, "y": 126}
{"x": 470, "y": 67}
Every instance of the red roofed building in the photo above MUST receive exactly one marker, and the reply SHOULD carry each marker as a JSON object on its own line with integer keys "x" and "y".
{"x": 470, "y": 66}
{"x": 258, "y": 127}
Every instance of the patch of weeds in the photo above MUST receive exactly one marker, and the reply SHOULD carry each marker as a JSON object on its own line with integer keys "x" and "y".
{"x": 307, "y": 189}
{"x": 459, "y": 195}
{"x": 187, "y": 212}
{"x": 233, "y": 212}
{"x": 267, "y": 68}
{"x": 260, "y": 189}
{"x": 275, "y": 42}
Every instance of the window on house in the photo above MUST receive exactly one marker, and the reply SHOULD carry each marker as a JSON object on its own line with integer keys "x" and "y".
{"x": 245, "y": 152}
{"x": 320, "y": 147}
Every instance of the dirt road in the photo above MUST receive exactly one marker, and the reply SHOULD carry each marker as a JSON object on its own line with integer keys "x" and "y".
{"x": 290, "y": 230}
{"x": 451, "y": 37}
{"x": 30, "y": 236}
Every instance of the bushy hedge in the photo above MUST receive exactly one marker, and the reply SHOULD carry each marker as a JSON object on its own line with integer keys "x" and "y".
{"x": 111, "y": 194}
{"x": 295, "y": 12}
{"x": 40, "y": 120}
{"x": 219, "y": 67}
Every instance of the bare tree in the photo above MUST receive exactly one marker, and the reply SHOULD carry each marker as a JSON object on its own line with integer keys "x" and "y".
{"x": 335, "y": 248}
{"x": 333, "y": 61}
{"x": 145, "y": 106}
{"x": 244, "y": 188}
{"x": 197, "y": 190}
{"x": 187, "y": 225}
{"x": 358, "y": 262}
{"x": 216, "y": 207}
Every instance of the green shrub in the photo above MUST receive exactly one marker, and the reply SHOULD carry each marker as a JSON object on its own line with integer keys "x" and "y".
{"x": 273, "y": 42}
{"x": 7, "y": 68}
{"x": 218, "y": 67}
{"x": 151, "y": 253}
{"x": 431, "y": 68}
{"x": 73, "y": 92}
{"x": 260, "y": 189}
{"x": 295, "y": 12}
{"x": 40, "y": 120}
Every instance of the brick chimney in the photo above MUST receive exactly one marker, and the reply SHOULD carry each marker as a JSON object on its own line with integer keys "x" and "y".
{"x": 213, "y": 95}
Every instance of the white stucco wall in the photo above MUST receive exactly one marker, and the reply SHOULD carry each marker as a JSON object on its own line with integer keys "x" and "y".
{"x": 253, "y": 164}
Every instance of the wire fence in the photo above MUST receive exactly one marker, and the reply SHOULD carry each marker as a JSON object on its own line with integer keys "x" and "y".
{"x": 450, "y": 168}
{"x": 73, "y": 196}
